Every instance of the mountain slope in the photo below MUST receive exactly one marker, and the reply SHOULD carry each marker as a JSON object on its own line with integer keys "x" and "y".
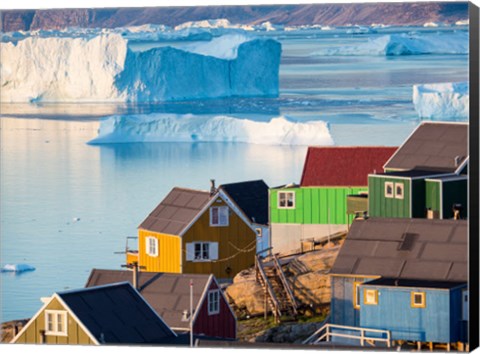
{"x": 324, "y": 14}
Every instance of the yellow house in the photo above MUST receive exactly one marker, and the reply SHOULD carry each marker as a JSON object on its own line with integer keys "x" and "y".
{"x": 109, "y": 314}
{"x": 198, "y": 232}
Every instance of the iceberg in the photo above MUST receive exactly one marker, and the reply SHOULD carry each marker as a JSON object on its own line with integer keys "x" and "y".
{"x": 406, "y": 44}
{"x": 441, "y": 101}
{"x": 17, "y": 268}
{"x": 189, "y": 128}
{"x": 105, "y": 69}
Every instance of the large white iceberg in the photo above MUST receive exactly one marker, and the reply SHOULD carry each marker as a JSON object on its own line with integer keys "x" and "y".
{"x": 406, "y": 44}
{"x": 441, "y": 101}
{"x": 190, "y": 128}
{"x": 105, "y": 69}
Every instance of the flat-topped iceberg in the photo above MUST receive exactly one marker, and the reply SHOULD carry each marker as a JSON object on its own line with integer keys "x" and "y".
{"x": 441, "y": 101}
{"x": 105, "y": 69}
{"x": 406, "y": 44}
{"x": 190, "y": 128}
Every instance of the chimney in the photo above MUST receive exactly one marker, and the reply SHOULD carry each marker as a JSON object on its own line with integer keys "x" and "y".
{"x": 135, "y": 275}
{"x": 213, "y": 190}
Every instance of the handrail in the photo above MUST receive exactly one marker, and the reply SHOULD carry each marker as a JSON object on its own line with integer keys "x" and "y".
{"x": 362, "y": 337}
{"x": 285, "y": 283}
{"x": 268, "y": 286}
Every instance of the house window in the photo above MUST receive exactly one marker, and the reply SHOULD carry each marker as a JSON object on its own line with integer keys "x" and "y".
{"x": 219, "y": 216}
{"x": 286, "y": 200}
{"x": 388, "y": 189}
{"x": 356, "y": 294}
{"x": 151, "y": 246}
{"x": 418, "y": 299}
{"x": 202, "y": 251}
{"x": 258, "y": 231}
{"x": 465, "y": 305}
{"x": 370, "y": 297}
{"x": 213, "y": 302}
{"x": 56, "y": 323}
{"x": 399, "y": 190}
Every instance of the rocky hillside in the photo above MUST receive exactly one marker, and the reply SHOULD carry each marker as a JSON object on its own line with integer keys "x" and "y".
{"x": 307, "y": 275}
{"x": 324, "y": 14}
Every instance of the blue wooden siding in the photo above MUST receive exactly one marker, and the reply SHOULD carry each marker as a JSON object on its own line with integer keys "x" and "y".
{"x": 394, "y": 313}
{"x": 342, "y": 311}
{"x": 458, "y": 327}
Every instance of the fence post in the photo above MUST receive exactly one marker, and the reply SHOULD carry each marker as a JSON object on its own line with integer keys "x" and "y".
{"x": 328, "y": 332}
{"x": 362, "y": 333}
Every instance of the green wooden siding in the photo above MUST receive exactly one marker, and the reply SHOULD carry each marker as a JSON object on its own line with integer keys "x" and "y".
{"x": 433, "y": 195}
{"x": 312, "y": 205}
{"x": 381, "y": 206}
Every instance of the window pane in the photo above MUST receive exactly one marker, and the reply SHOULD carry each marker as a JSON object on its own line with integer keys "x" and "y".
{"x": 418, "y": 299}
{"x": 290, "y": 200}
{"x": 205, "y": 251}
{"x": 49, "y": 322}
{"x": 59, "y": 323}
{"x": 214, "y": 212}
{"x": 282, "y": 199}
{"x": 198, "y": 251}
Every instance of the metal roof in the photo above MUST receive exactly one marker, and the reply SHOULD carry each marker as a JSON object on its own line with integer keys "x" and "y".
{"x": 251, "y": 197}
{"x": 397, "y": 248}
{"x": 343, "y": 166}
{"x": 117, "y": 314}
{"x": 176, "y": 211}
{"x": 414, "y": 173}
{"x": 167, "y": 293}
{"x": 433, "y": 146}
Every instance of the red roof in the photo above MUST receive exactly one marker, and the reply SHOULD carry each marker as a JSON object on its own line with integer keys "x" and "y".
{"x": 343, "y": 166}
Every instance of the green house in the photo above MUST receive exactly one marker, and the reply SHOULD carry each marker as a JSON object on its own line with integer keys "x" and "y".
{"x": 333, "y": 190}
{"x": 426, "y": 177}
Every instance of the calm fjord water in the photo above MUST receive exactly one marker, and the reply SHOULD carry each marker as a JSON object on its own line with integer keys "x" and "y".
{"x": 66, "y": 206}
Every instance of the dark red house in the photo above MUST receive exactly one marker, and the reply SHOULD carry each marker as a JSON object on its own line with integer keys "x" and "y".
{"x": 169, "y": 295}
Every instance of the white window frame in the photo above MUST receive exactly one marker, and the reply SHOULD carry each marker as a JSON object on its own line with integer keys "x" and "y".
{"x": 56, "y": 315}
{"x": 285, "y": 198}
{"x": 149, "y": 242}
{"x": 213, "y": 302}
{"x": 220, "y": 209}
{"x": 370, "y": 296}
{"x": 465, "y": 305}
{"x": 398, "y": 195}
{"x": 389, "y": 195}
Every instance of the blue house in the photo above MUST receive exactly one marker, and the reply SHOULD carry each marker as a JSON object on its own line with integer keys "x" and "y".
{"x": 405, "y": 278}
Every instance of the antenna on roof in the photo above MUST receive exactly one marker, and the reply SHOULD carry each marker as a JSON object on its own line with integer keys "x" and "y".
{"x": 457, "y": 160}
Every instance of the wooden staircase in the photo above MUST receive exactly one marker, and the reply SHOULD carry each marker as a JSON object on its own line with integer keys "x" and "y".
{"x": 278, "y": 294}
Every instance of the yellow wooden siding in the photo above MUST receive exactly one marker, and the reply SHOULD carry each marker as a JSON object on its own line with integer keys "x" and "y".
{"x": 168, "y": 259}
{"x": 237, "y": 235}
{"x": 75, "y": 334}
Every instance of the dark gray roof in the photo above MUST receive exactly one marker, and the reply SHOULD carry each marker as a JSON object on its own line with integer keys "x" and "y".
{"x": 420, "y": 249}
{"x": 117, "y": 314}
{"x": 167, "y": 293}
{"x": 432, "y": 146}
{"x": 413, "y": 173}
{"x": 176, "y": 211}
{"x": 251, "y": 197}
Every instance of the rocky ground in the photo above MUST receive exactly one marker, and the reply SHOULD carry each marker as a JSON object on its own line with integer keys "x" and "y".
{"x": 7, "y": 330}
{"x": 308, "y": 276}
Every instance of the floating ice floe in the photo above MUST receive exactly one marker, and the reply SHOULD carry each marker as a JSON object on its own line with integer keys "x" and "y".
{"x": 190, "y": 128}
{"x": 104, "y": 69}
{"x": 406, "y": 44}
{"x": 17, "y": 268}
{"x": 442, "y": 101}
